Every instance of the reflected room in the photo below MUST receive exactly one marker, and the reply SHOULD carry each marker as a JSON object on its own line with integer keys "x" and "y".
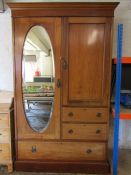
{"x": 38, "y": 78}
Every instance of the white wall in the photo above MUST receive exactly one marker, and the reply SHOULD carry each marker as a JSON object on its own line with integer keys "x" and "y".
{"x": 6, "y": 61}
{"x": 125, "y": 134}
{"x": 123, "y": 15}
{"x": 45, "y": 65}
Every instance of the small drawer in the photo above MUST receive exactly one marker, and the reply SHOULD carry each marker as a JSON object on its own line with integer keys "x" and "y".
{"x": 4, "y": 121}
{"x": 96, "y": 115}
{"x": 4, "y": 135}
{"x": 4, "y": 152}
{"x": 61, "y": 151}
{"x": 85, "y": 131}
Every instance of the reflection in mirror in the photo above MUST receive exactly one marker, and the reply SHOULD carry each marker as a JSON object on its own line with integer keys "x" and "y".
{"x": 38, "y": 78}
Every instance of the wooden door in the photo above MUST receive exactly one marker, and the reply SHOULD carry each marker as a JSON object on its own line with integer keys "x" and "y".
{"x": 86, "y": 61}
{"x": 21, "y": 28}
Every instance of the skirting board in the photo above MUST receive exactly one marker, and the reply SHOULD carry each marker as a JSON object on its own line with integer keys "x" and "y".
{"x": 62, "y": 167}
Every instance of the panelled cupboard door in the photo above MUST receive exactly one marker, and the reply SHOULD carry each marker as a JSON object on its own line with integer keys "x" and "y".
{"x": 86, "y": 61}
{"x": 21, "y": 28}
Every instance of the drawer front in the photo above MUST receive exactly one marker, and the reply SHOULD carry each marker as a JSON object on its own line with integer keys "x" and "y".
{"x": 4, "y": 152}
{"x": 85, "y": 131}
{"x": 85, "y": 114}
{"x": 4, "y": 135}
{"x": 61, "y": 151}
{"x": 4, "y": 121}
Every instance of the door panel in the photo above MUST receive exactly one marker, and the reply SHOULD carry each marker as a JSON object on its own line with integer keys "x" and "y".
{"x": 53, "y": 28}
{"x": 87, "y": 74}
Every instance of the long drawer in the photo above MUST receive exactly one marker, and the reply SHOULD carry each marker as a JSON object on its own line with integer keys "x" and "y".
{"x": 4, "y": 152}
{"x": 84, "y": 131}
{"x": 61, "y": 151}
{"x": 85, "y": 114}
{"x": 4, "y": 121}
{"x": 4, "y": 135}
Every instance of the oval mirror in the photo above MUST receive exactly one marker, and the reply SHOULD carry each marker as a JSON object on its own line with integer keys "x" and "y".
{"x": 38, "y": 78}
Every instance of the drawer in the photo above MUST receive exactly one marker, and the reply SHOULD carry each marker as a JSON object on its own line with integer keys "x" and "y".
{"x": 4, "y": 152}
{"x": 4, "y": 121}
{"x": 4, "y": 135}
{"x": 85, "y": 114}
{"x": 61, "y": 151}
{"x": 84, "y": 131}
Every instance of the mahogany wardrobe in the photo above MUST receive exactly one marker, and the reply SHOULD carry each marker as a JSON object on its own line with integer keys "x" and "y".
{"x": 72, "y": 102}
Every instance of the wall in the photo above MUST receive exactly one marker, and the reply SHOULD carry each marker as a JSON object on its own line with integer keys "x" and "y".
{"x": 123, "y": 15}
{"x": 6, "y": 61}
{"x": 125, "y": 134}
{"x": 48, "y": 69}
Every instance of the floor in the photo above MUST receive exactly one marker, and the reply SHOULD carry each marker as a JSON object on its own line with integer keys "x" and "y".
{"x": 38, "y": 115}
{"x": 124, "y": 166}
{"x": 125, "y": 162}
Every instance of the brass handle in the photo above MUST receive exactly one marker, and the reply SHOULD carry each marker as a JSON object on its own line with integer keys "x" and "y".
{"x": 98, "y": 131}
{"x": 99, "y": 114}
{"x": 33, "y": 149}
{"x": 65, "y": 64}
{"x": 88, "y": 151}
{"x": 58, "y": 83}
{"x": 70, "y": 114}
{"x": 0, "y": 134}
{"x": 0, "y": 150}
{"x": 70, "y": 131}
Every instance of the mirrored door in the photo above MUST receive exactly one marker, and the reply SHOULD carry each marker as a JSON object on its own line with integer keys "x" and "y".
{"x": 37, "y": 65}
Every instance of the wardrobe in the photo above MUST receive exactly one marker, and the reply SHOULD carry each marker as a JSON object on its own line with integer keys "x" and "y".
{"x": 76, "y": 137}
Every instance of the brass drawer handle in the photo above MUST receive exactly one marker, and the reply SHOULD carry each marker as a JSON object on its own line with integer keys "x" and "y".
{"x": 0, "y": 134}
{"x": 0, "y": 150}
{"x": 88, "y": 151}
{"x": 33, "y": 149}
{"x": 98, "y": 131}
{"x": 70, "y": 131}
{"x": 70, "y": 114}
{"x": 99, "y": 114}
